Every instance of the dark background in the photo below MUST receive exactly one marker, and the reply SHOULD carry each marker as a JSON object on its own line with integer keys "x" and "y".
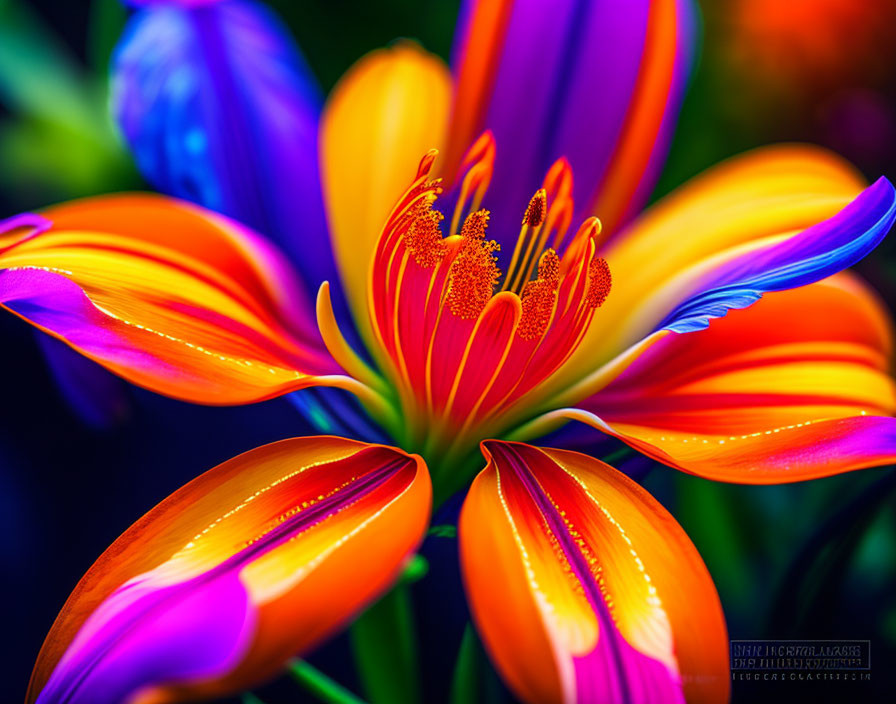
{"x": 811, "y": 560}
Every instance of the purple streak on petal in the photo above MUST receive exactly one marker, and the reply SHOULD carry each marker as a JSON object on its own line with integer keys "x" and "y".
{"x": 219, "y": 108}
{"x": 142, "y": 636}
{"x": 613, "y": 671}
{"x": 562, "y": 88}
{"x": 151, "y": 631}
{"x": 856, "y": 442}
{"x": 31, "y": 225}
{"x": 590, "y": 109}
{"x": 96, "y": 396}
{"x": 817, "y": 252}
{"x": 688, "y": 35}
{"x": 56, "y": 303}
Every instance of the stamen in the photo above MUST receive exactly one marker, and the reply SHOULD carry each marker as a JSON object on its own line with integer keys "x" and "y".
{"x": 536, "y": 209}
{"x": 558, "y": 184}
{"x": 423, "y": 238}
{"x": 589, "y": 231}
{"x": 426, "y": 163}
{"x": 532, "y": 221}
{"x": 479, "y": 162}
{"x": 538, "y": 298}
{"x": 599, "y": 283}
{"x": 475, "y": 224}
{"x": 474, "y": 272}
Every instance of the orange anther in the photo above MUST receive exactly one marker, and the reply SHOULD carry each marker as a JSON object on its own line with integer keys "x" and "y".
{"x": 599, "y": 283}
{"x": 474, "y": 273}
{"x": 423, "y": 238}
{"x": 538, "y": 298}
{"x": 536, "y": 209}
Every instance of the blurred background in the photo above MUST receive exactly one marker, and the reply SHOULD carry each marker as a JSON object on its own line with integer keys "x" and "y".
{"x": 811, "y": 560}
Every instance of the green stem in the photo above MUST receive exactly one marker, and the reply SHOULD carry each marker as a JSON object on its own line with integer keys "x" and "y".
{"x": 317, "y": 683}
{"x": 384, "y": 642}
{"x": 465, "y": 682}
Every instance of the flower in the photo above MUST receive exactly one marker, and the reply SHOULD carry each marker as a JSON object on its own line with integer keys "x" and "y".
{"x": 714, "y": 333}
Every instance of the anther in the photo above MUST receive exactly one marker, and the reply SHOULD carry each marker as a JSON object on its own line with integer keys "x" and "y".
{"x": 475, "y": 224}
{"x": 599, "y": 283}
{"x": 538, "y": 298}
{"x": 536, "y": 209}
{"x": 423, "y": 238}
{"x": 474, "y": 272}
{"x": 524, "y": 252}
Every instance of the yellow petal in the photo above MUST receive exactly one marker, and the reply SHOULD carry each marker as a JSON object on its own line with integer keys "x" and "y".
{"x": 390, "y": 108}
{"x": 766, "y": 193}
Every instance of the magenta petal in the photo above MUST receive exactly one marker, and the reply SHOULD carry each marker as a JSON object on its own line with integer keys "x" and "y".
{"x": 144, "y": 635}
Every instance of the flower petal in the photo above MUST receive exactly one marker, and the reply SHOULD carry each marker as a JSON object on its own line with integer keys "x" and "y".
{"x": 597, "y": 82}
{"x": 219, "y": 108}
{"x": 391, "y": 107}
{"x": 584, "y": 588}
{"x": 795, "y": 387}
{"x": 174, "y": 298}
{"x": 99, "y": 398}
{"x": 256, "y": 560}
{"x": 771, "y": 219}
{"x": 817, "y": 252}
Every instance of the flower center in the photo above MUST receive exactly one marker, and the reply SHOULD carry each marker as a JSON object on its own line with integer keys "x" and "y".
{"x": 466, "y": 346}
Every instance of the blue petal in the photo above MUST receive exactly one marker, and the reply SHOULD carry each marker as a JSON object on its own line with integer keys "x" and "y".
{"x": 336, "y": 412}
{"x": 817, "y": 252}
{"x": 219, "y": 108}
{"x": 98, "y": 397}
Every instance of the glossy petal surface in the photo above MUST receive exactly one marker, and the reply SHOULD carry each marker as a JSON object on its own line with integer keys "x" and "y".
{"x": 388, "y": 109}
{"x": 795, "y": 387}
{"x": 774, "y": 218}
{"x": 252, "y": 562}
{"x": 219, "y": 108}
{"x": 170, "y": 296}
{"x": 599, "y": 83}
{"x": 583, "y": 588}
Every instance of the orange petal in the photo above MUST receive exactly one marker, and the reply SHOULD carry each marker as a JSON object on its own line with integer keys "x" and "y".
{"x": 170, "y": 296}
{"x": 254, "y": 561}
{"x": 794, "y": 387}
{"x": 584, "y": 588}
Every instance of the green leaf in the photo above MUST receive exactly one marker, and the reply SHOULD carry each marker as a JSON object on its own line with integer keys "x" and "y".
{"x": 807, "y": 594}
{"x": 317, "y": 683}
{"x": 107, "y": 20}
{"x": 443, "y": 531}
{"x": 465, "y": 682}
{"x": 384, "y": 642}
{"x": 715, "y": 516}
{"x": 39, "y": 76}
